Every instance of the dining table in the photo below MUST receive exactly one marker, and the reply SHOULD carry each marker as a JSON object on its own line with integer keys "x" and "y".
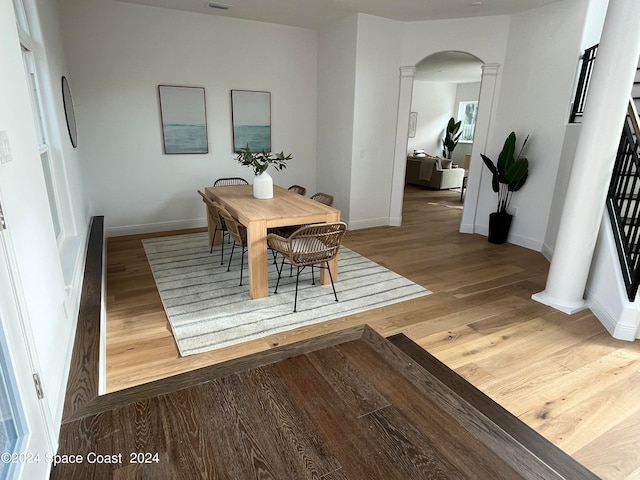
{"x": 286, "y": 208}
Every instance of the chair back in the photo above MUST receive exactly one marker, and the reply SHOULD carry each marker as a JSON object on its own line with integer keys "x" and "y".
{"x": 316, "y": 243}
{"x": 323, "y": 198}
{"x": 212, "y": 211}
{"x": 298, "y": 189}
{"x": 237, "y": 231}
{"x": 467, "y": 161}
{"x": 230, "y": 182}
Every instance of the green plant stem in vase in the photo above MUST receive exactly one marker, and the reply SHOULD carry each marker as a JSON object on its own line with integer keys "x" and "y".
{"x": 260, "y": 161}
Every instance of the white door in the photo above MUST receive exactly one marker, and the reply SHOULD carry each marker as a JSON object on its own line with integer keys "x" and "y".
{"x": 25, "y": 445}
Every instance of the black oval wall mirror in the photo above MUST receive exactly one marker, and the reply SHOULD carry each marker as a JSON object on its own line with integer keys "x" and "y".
{"x": 68, "y": 112}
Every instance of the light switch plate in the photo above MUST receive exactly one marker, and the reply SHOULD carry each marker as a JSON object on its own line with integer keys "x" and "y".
{"x": 5, "y": 148}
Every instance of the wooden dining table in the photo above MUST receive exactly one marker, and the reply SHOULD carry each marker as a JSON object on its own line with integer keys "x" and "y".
{"x": 284, "y": 209}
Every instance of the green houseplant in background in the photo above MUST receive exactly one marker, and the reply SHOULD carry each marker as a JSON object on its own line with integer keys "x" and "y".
{"x": 451, "y": 136}
{"x": 510, "y": 173}
{"x": 259, "y": 162}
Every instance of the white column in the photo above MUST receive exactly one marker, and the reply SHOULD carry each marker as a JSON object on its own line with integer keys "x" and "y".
{"x": 480, "y": 140}
{"x": 604, "y": 115}
{"x": 407, "y": 75}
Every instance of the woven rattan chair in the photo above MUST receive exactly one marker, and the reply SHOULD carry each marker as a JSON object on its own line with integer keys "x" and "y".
{"x": 237, "y": 232}
{"x": 298, "y": 189}
{"x": 323, "y": 198}
{"x": 216, "y": 219}
{"x": 230, "y": 182}
{"x": 310, "y": 245}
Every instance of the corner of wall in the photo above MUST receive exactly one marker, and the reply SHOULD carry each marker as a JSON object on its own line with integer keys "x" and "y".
{"x": 606, "y": 292}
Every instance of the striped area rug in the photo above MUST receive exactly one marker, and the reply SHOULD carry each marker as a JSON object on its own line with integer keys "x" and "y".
{"x": 207, "y": 309}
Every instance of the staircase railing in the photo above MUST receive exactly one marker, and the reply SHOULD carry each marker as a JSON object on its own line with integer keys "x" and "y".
{"x": 623, "y": 197}
{"x": 623, "y": 202}
{"x": 584, "y": 79}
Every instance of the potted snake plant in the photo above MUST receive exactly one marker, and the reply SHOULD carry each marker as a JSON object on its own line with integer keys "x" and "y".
{"x": 510, "y": 173}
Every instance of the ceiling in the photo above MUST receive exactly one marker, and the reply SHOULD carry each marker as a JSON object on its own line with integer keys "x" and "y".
{"x": 317, "y": 14}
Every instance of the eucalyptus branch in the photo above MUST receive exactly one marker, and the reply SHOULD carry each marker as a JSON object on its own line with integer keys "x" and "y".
{"x": 260, "y": 161}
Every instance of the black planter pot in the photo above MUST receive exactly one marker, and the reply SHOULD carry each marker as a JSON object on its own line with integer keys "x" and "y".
{"x": 499, "y": 224}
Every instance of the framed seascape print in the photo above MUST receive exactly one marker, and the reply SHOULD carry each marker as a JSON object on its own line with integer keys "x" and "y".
{"x": 184, "y": 119}
{"x": 251, "y": 120}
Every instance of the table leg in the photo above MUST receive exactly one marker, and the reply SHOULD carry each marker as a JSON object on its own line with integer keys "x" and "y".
{"x": 257, "y": 259}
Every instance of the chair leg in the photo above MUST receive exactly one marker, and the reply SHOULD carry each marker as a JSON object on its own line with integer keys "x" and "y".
{"x": 231, "y": 256}
{"x": 313, "y": 275}
{"x": 222, "y": 247}
{"x": 213, "y": 238}
{"x": 241, "y": 265}
{"x": 295, "y": 299}
{"x": 279, "y": 274}
{"x": 332, "y": 285}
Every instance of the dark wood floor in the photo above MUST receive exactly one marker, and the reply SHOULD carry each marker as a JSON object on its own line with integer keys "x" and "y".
{"x": 348, "y": 405}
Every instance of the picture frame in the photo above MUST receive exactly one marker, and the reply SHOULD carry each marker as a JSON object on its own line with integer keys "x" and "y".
{"x": 413, "y": 122}
{"x": 183, "y": 116}
{"x": 251, "y": 120}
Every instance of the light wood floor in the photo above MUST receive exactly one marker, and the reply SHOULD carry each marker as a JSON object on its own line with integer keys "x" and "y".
{"x": 562, "y": 375}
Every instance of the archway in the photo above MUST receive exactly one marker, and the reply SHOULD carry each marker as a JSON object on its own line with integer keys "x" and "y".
{"x": 451, "y": 68}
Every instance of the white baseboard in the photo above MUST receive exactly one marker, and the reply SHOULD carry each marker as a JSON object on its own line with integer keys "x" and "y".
{"x": 373, "y": 222}
{"x": 547, "y": 251}
{"x": 395, "y": 221}
{"x": 154, "y": 227}
{"x": 617, "y": 329}
{"x": 514, "y": 239}
{"x": 525, "y": 242}
{"x": 467, "y": 228}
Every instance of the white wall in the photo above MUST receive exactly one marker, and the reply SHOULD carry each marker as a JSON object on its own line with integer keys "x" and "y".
{"x": 336, "y": 89}
{"x": 606, "y": 292}
{"x": 375, "y": 118}
{"x": 434, "y": 102}
{"x": 119, "y": 53}
{"x": 50, "y": 302}
{"x": 534, "y": 98}
{"x": 482, "y": 37}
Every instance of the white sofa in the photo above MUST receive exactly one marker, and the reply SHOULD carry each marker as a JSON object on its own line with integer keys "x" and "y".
{"x": 433, "y": 172}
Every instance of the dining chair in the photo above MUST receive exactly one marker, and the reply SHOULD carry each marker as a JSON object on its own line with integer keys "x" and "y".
{"x": 298, "y": 189}
{"x": 239, "y": 234}
{"x": 323, "y": 198}
{"x": 320, "y": 197}
{"x": 214, "y": 216}
{"x": 230, "y": 182}
{"x": 311, "y": 245}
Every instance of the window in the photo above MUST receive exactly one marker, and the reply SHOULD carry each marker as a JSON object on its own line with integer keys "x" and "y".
{"x": 467, "y": 115}
{"x": 39, "y": 115}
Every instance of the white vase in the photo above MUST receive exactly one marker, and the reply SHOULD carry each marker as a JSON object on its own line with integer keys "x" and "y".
{"x": 263, "y": 186}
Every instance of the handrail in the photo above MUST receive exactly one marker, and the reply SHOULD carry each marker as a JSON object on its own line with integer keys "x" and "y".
{"x": 584, "y": 79}
{"x": 623, "y": 202}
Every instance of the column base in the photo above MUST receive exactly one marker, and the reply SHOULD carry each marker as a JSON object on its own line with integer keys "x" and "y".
{"x": 566, "y": 307}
